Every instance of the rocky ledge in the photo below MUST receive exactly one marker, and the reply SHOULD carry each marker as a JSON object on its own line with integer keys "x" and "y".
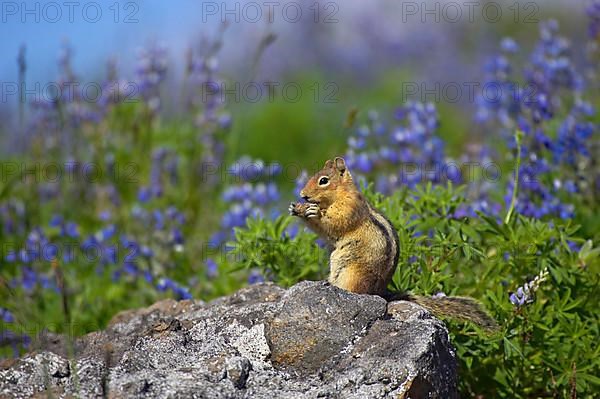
{"x": 310, "y": 341}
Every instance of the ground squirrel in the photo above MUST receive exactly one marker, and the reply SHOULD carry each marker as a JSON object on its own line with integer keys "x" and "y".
{"x": 364, "y": 243}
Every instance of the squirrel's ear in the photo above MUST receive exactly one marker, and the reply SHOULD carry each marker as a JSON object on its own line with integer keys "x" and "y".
{"x": 328, "y": 164}
{"x": 340, "y": 165}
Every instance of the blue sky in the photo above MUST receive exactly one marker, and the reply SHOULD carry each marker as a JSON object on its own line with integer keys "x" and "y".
{"x": 176, "y": 23}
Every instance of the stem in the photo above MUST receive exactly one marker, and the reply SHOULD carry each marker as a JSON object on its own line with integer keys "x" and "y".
{"x": 22, "y": 68}
{"x": 513, "y": 200}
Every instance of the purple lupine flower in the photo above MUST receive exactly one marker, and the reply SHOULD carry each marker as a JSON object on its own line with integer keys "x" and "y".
{"x": 255, "y": 277}
{"x": 11, "y": 256}
{"x": 506, "y": 106}
{"x": 14, "y": 340}
{"x": 49, "y": 252}
{"x": 144, "y": 194}
{"x": 525, "y": 294}
{"x": 151, "y": 70}
{"x": 177, "y": 237}
{"x": 12, "y": 217}
{"x": 130, "y": 267}
{"x": 519, "y": 298}
{"x": 208, "y": 102}
{"x": 593, "y": 12}
{"x": 212, "y": 269}
{"x": 180, "y": 291}
{"x": 104, "y": 216}
{"x": 159, "y": 220}
{"x": 253, "y": 197}
{"x": 509, "y": 45}
{"x": 217, "y": 239}
{"x": 147, "y": 276}
{"x": 572, "y": 142}
{"x": 146, "y": 252}
{"x": 550, "y": 77}
{"x": 107, "y": 232}
{"x": 110, "y": 255}
{"x": 71, "y": 230}
{"x": 56, "y": 221}
{"x": 6, "y": 315}
{"x": 381, "y": 152}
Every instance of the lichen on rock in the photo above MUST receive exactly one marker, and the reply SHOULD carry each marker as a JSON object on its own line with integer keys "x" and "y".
{"x": 312, "y": 340}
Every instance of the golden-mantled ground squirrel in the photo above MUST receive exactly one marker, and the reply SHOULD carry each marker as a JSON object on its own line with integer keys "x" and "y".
{"x": 365, "y": 243}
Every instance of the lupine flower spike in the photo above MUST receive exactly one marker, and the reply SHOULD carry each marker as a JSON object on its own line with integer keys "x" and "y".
{"x": 526, "y": 294}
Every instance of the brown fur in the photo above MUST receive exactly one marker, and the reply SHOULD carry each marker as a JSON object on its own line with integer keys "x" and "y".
{"x": 456, "y": 307}
{"x": 364, "y": 242}
{"x": 358, "y": 234}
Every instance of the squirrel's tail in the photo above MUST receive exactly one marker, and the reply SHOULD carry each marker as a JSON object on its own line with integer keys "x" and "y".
{"x": 454, "y": 307}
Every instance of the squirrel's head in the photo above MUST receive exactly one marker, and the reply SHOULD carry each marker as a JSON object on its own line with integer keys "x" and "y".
{"x": 328, "y": 184}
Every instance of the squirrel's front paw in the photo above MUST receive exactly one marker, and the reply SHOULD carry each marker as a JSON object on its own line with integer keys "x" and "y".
{"x": 312, "y": 211}
{"x": 305, "y": 209}
{"x": 296, "y": 209}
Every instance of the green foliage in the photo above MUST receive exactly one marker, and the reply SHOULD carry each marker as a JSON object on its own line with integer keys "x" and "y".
{"x": 266, "y": 245}
{"x": 545, "y": 348}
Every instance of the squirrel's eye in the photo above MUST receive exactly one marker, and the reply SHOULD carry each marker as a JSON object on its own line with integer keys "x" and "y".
{"x": 323, "y": 180}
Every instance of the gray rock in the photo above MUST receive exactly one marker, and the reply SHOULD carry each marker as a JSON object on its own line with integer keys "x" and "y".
{"x": 238, "y": 369}
{"x": 310, "y": 341}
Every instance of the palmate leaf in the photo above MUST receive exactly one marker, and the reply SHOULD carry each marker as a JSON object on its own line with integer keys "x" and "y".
{"x": 510, "y": 348}
{"x": 264, "y": 245}
{"x": 494, "y": 227}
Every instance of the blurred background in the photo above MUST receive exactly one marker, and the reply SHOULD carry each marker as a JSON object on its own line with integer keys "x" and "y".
{"x": 341, "y": 55}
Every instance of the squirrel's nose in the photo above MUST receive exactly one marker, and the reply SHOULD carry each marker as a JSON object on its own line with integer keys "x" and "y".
{"x": 305, "y": 197}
